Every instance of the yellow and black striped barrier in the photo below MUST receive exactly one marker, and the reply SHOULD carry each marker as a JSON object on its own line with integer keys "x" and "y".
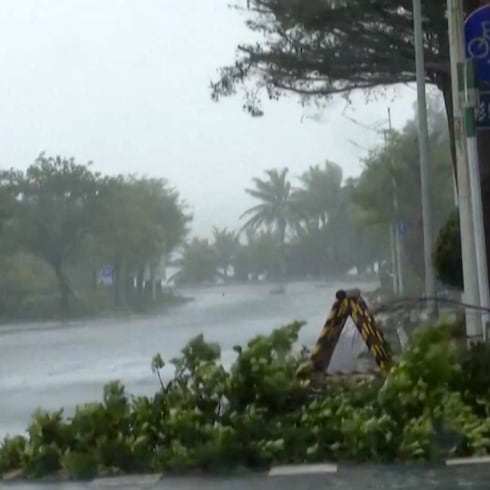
{"x": 350, "y": 304}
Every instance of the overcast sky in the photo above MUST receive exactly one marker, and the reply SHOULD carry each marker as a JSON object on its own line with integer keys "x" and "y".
{"x": 125, "y": 83}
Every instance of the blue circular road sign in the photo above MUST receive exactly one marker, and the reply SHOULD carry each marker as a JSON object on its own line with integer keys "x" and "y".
{"x": 402, "y": 228}
{"x": 477, "y": 40}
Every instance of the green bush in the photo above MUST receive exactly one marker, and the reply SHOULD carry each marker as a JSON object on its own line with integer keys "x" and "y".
{"x": 259, "y": 413}
{"x": 473, "y": 379}
{"x": 11, "y": 453}
{"x": 79, "y": 465}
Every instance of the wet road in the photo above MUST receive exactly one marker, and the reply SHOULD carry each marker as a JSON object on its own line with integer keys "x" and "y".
{"x": 356, "y": 478}
{"x": 62, "y": 365}
{"x": 53, "y": 366}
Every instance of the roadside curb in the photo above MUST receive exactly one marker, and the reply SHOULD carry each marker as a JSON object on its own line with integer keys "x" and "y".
{"x": 332, "y": 468}
{"x": 131, "y": 481}
{"x": 149, "y": 481}
{"x": 468, "y": 461}
{"x": 304, "y": 469}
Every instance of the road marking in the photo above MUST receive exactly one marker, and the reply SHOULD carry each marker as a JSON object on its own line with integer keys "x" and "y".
{"x": 467, "y": 461}
{"x": 305, "y": 469}
{"x": 127, "y": 481}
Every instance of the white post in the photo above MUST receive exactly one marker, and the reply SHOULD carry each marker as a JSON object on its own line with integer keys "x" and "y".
{"x": 471, "y": 293}
{"x": 467, "y": 84}
{"x": 480, "y": 244}
{"x": 425, "y": 171}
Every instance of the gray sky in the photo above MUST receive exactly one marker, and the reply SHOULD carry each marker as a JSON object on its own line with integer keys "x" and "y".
{"x": 125, "y": 83}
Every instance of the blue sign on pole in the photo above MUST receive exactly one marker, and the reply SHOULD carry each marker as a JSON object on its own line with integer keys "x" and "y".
{"x": 477, "y": 39}
{"x": 402, "y": 228}
{"x": 106, "y": 271}
{"x": 106, "y": 275}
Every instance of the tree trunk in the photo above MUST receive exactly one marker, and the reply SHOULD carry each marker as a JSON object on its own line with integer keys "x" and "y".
{"x": 94, "y": 278}
{"x": 64, "y": 289}
{"x": 128, "y": 285}
{"x": 282, "y": 258}
{"x": 117, "y": 282}
{"x": 153, "y": 284}
{"x": 140, "y": 281}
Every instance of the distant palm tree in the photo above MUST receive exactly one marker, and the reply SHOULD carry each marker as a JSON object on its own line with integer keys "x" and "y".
{"x": 225, "y": 245}
{"x": 274, "y": 210}
{"x": 319, "y": 197}
{"x": 197, "y": 263}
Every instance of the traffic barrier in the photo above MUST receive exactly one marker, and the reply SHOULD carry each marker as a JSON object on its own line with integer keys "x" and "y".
{"x": 350, "y": 304}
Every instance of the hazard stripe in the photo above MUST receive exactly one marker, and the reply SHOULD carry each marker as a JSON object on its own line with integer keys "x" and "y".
{"x": 365, "y": 323}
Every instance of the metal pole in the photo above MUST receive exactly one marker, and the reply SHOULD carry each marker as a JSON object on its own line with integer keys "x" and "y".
{"x": 467, "y": 85}
{"x": 393, "y": 247}
{"x": 480, "y": 245}
{"x": 393, "y": 258}
{"x": 471, "y": 293}
{"x": 398, "y": 243}
{"x": 423, "y": 137}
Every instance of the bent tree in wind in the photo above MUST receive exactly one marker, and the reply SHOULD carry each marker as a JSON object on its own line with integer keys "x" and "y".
{"x": 274, "y": 210}
{"x": 53, "y": 199}
{"x": 319, "y": 48}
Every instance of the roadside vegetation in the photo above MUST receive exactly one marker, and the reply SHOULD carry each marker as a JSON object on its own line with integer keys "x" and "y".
{"x": 433, "y": 404}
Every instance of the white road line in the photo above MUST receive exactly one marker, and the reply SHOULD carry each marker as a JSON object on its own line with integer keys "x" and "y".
{"x": 468, "y": 461}
{"x": 304, "y": 469}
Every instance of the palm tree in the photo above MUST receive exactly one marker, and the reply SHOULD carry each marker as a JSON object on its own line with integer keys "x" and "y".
{"x": 264, "y": 252}
{"x": 197, "y": 263}
{"x": 225, "y": 246}
{"x": 319, "y": 210}
{"x": 319, "y": 198}
{"x": 274, "y": 210}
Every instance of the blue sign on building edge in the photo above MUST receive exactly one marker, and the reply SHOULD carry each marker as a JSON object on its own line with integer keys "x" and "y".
{"x": 477, "y": 41}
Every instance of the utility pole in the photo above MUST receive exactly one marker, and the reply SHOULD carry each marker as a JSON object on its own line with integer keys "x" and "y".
{"x": 393, "y": 227}
{"x": 470, "y": 278}
{"x": 394, "y": 267}
{"x": 398, "y": 243}
{"x": 425, "y": 171}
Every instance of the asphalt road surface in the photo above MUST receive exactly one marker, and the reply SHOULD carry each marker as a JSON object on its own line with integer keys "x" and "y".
{"x": 473, "y": 477}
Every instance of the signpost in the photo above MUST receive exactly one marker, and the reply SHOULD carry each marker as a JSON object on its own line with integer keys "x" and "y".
{"x": 105, "y": 275}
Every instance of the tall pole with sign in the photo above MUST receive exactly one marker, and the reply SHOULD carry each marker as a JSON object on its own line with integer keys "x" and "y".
{"x": 483, "y": 122}
{"x": 474, "y": 74}
{"x": 425, "y": 171}
{"x": 471, "y": 292}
